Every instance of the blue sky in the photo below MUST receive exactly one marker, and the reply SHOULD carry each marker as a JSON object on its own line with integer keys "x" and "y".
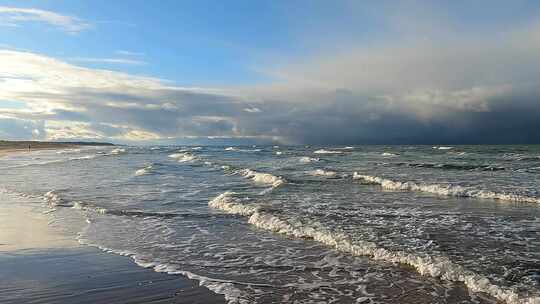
{"x": 264, "y": 69}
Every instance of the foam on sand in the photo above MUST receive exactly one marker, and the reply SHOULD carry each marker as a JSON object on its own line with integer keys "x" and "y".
{"x": 435, "y": 266}
{"x": 446, "y": 190}
{"x": 262, "y": 178}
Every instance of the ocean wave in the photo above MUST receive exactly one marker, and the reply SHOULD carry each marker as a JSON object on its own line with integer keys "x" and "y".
{"x": 224, "y": 287}
{"x": 466, "y": 167}
{"x": 183, "y": 157}
{"x": 84, "y": 157}
{"x": 234, "y": 149}
{"x": 442, "y": 148}
{"x": 325, "y": 173}
{"x": 53, "y": 199}
{"x": 520, "y": 157}
{"x": 262, "y": 178}
{"x": 279, "y": 153}
{"x": 323, "y": 151}
{"x": 388, "y": 154}
{"x": 117, "y": 151}
{"x": 446, "y": 190}
{"x": 229, "y": 203}
{"x": 307, "y": 159}
{"x": 434, "y": 266}
{"x": 67, "y": 151}
{"x": 143, "y": 171}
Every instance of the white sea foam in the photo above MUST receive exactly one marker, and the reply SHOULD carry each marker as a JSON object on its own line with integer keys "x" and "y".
{"x": 67, "y": 151}
{"x": 279, "y": 152}
{"x": 234, "y": 149}
{"x": 447, "y": 190}
{"x": 442, "y": 148}
{"x": 435, "y": 266}
{"x": 307, "y": 159}
{"x": 388, "y": 154}
{"x": 117, "y": 151}
{"x": 52, "y": 198}
{"x": 84, "y": 157}
{"x": 229, "y": 203}
{"x": 321, "y": 172}
{"x": 226, "y": 288}
{"x": 84, "y": 207}
{"x": 143, "y": 171}
{"x": 323, "y": 151}
{"x": 183, "y": 157}
{"x": 262, "y": 178}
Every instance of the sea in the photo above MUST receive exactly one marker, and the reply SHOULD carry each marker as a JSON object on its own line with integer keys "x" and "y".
{"x": 305, "y": 224}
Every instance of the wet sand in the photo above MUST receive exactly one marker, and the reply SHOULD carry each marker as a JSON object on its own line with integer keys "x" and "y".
{"x": 40, "y": 264}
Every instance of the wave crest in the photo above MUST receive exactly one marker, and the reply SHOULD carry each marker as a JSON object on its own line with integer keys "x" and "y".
{"x": 262, "y": 178}
{"x": 435, "y": 266}
{"x": 446, "y": 190}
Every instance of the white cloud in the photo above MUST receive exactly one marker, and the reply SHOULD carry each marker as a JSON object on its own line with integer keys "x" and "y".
{"x": 108, "y": 60}
{"x": 128, "y": 53}
{"x": 13, "y": 16}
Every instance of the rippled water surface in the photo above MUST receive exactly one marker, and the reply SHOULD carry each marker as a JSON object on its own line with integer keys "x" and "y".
{"x": 267, "y": 224}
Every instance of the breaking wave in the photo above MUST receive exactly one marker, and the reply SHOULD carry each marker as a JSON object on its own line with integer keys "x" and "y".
{"x": 466, "y": 167}
{"x": 117, "y": 151}
{"x": 307, "y": 159}
{"x": 323, "y": 151}
{"x": 143, "y": 171}
{"x": 388, "y": 154}
{"x": 234, "y": 149}
{"x": 183, "y": 157}
{"x": 434, "y": 266}
{"x": 262, "y": 178}
{"x": 324, "y": 173}
{"x": 224, "y": 287}
{"x": 446, "y": 190}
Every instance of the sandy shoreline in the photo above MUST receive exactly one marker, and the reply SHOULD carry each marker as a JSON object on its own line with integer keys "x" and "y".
{"x": 41, "y": 264}
{"x": 7, "y": 147}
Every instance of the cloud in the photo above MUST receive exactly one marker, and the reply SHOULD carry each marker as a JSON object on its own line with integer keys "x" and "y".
{"x": 462, "y": 89}
{"x": 128, "y": 53}
{"x": 13, "y": 16}
{"x": 108, "y": 60}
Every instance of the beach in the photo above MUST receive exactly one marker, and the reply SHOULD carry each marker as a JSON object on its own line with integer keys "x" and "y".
{"x": 42, "y": 263}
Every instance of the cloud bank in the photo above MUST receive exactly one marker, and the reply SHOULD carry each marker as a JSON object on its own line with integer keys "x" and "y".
{"x": 14, "y": 16}
{"x": 471, "y": 89}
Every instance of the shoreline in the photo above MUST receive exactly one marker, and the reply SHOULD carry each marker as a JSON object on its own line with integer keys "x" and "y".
{"x": 41, "y": 264}
{"x": 7, "y": 147}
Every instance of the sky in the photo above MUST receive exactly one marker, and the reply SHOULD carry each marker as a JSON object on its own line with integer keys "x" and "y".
{"x": 288, "y": 72}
